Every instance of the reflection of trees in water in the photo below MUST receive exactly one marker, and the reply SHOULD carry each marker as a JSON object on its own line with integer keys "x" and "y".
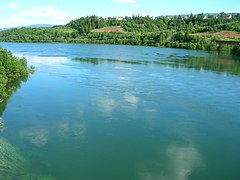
{"x": 219, "y": 63}
{"x": 216, "y": 63}
{"x": 13, "y": 71}
{"x": 10, "y": 89}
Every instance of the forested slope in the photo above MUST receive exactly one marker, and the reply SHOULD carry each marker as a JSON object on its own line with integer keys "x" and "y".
{"x": 189, "y": 31}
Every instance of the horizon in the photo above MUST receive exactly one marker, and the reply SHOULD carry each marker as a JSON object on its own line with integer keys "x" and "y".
{"x": 25, "y": 13}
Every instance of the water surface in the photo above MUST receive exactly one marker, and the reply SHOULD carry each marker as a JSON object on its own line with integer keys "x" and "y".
{"x": 123, "y": 112}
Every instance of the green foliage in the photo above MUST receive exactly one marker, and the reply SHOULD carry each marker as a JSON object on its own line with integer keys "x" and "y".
{"x": 85, "y": 25}
{"x": 55, "y": 34}
{"x": 12, "y": 69}
{"x": 176, "y": 31}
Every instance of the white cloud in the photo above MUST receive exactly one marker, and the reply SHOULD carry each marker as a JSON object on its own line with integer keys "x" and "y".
{"x": 125, "y": 1}
{"x": 37, "y": 15}
{"x": 47, "y": 13}
{"x": 238, "y": 8}
{"x": 12, "y": 5}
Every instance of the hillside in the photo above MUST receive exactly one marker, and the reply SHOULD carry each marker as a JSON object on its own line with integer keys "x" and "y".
{"x": 189, "y": 32}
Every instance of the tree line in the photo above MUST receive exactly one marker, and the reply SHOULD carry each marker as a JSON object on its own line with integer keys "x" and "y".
{"x": 176, "y": 31}
{"x": 138, "y": 24}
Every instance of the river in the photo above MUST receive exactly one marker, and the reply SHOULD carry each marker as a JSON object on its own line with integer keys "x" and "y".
{"x": 104, "y": 112}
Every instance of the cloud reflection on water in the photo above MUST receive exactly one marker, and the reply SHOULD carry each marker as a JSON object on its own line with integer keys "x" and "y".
{"x": 36, "y": 136}
{"x": 105, "y": 104}
{"x": 178, "y": 164}
{"x": 47, "y": 60}
{"x": 64, "y": 128}
{"x": 184, "y": 161}
{"x": 71, "y": 129}
{"x": 131, "y": 99}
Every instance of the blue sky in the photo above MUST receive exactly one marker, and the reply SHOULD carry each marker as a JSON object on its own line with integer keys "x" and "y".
{"x": 27, "y": 12}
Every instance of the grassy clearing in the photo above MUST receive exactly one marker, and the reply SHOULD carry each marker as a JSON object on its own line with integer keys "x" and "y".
{"x": 224, "y": 35}
{"x": 113, "y": 29}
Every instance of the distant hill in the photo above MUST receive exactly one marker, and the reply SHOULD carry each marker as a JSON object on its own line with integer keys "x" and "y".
{"x": 40, "y": 25}
{"x": 31, "y": 26}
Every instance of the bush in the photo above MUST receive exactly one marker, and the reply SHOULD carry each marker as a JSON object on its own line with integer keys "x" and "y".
{"x": 11, "y": 69}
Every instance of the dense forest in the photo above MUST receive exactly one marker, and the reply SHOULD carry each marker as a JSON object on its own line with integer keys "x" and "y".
{"x": 189, "y": 31}
{"x": 13, "y": 71}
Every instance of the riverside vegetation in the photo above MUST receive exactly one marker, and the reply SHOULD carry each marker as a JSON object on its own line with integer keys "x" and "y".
{"x": 188, "y": 32}
{"x": 13, "y": 71}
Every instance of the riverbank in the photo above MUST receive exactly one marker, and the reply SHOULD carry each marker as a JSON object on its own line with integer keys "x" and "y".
{"x": 188, "y": 32}
{"x": 13, "y": 71}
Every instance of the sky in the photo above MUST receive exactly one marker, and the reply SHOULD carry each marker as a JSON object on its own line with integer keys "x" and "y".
{"x": 57, "y": 12}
